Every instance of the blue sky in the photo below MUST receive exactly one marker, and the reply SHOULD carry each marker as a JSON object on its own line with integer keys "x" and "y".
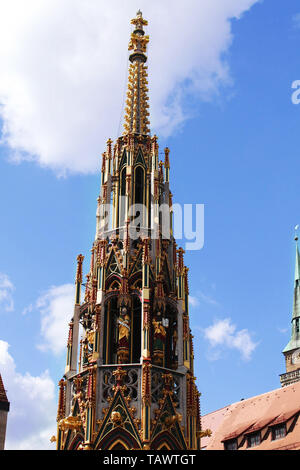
{"x": 237, "y": 153}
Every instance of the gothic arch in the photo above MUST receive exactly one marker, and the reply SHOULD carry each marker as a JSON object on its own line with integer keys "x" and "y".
{"x": 165, "y": 440}
{"x": 164, "y": 446}
{"x": 76, "y": 441}
{"x": 118, "y": 435}
{"x": 138, "y": 283}
{"x": 118, "y": 445}
{"x": 113, "y": 282}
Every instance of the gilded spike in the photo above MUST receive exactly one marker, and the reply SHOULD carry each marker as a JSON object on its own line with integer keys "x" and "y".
{"x": 136, "y": 114}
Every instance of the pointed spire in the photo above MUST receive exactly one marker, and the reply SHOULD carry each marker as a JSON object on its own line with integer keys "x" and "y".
{"x": 136, "y": 111}
{"x": 297, "y": 264}
{"x": 295, "y": 336}
{"x": 296, "y": 306}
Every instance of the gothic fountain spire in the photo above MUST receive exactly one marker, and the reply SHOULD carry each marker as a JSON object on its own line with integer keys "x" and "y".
{"x": 129, "y": 379}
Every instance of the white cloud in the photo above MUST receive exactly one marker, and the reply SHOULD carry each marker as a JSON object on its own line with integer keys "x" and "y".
{"x": 200, "y": 297}
{"x": 56, "y": 306}
{"x": 64, "y": 67}
{"x": 194, "y": 302}
{"x": 282, "y": 330}
{"x": 32, "y": 416}
{"x": 223, "y": 333}
{"x": 6, "y": 290}
{"x": 296, "y": 20}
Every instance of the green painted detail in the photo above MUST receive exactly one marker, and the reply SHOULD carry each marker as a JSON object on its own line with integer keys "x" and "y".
{"x": 113, "y": 266}
{"x": 137, "y": 266}
{"x": 78, "y": 293}
{"x": 185, "y": 350}
{"x": 140, "y": 158}
{"x": 105, "y": 336}
{"x": 167, "y": 174}
{"x": 166, "y": 411}
{"x": 186, "y": 303}
{"x": 88, "y": 425}
{"x": 123, "y": 159}
{"x": 179, "y": 287}
{"x": 118, "y": 404}
{"x": 146, "y": 422}
{"x": 59, "y": 440}
{"x": 96, "y": 344}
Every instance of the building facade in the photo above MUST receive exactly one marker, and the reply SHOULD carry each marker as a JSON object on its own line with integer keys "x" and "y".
{"x": 129, "y": 379}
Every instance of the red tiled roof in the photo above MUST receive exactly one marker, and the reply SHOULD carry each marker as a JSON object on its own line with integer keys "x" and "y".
{"x": 261, "y": 424}
{"x": 254, "y": 414}
{"x": 283, "y": 417}
{"x": 238, "y": 432}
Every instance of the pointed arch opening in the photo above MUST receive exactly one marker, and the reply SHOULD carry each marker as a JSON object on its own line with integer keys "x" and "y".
{"x": 110, "y": 333}
{"x": 164, "y": 446}
{"x": 122, "y": 203}
{"x": 139, "y": 195}
{"x": 117, "y": 336}
{"x": 77, "y": 441}
{"x": 115, "y": 284}
{"x": 119, "y": 445}
{"x": 165, "y": 440}
{"x": 118, "y": 437}
{"x": 136, "y": 330}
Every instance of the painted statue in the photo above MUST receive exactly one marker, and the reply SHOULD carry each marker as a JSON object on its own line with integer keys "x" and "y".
{"x": 159, "y": 339}
{"x": 124, "y": 337}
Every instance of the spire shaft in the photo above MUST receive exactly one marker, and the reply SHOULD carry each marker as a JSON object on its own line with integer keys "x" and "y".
{"x": 297, "y": 264}
{"x": 136, "y": 111}
{"x": 296, "y": 306}
{"x": 295, "y": 336}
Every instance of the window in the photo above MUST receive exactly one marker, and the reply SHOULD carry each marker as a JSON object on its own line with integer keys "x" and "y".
{"x": 122, "y": 204}
{"x": 136, "y": 331}
{"x": 231, "y": 445}
{"x": 279, "y": 431}
{"x": 139, "y": 185}
{"x": 139, "y": 196}
{"x": 254, "y": 439}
